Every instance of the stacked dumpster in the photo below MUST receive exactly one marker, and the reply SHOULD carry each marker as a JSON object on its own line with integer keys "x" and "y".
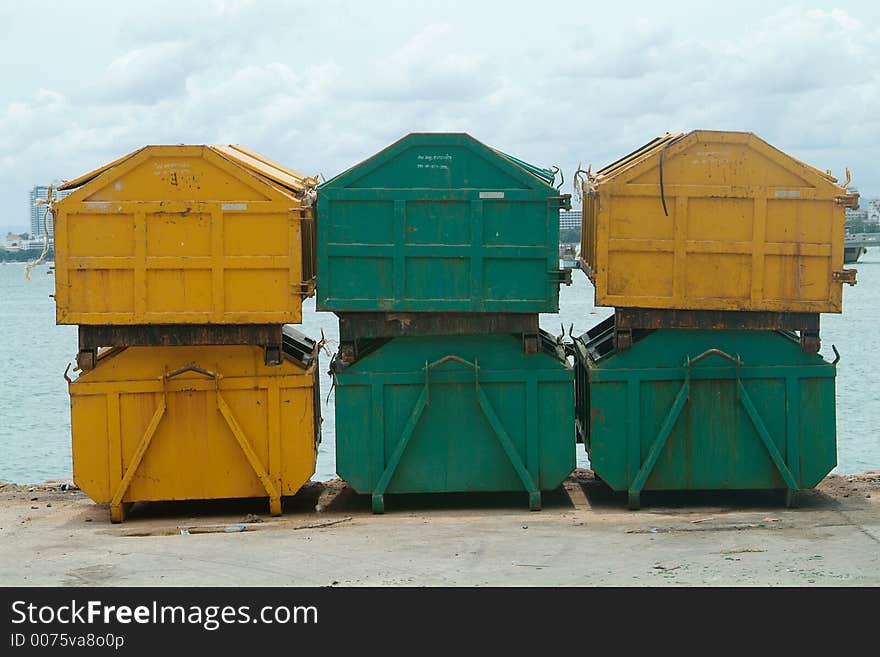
{"x": 718, "y": 253}
{"x": 437, "y": 254}
{"x": 182, "y": 266}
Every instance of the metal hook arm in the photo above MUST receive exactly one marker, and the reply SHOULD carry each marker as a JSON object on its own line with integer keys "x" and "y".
{"x": 714, "y": 352}
{"x": 190, "y": 368}
{"x": 446, "y": 359}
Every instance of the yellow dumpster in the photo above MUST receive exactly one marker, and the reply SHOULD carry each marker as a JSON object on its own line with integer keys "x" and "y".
{"x": 206, "y": 422}
{"x": 185, "y": 235}
{"x": 714, "y": 220}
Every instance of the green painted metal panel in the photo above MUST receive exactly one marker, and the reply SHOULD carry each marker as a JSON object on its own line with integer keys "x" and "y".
{"x": 439, "y": 221}
{"x": 547, "y": 175}
{"x": 470, "y": 413}
{"x": 755, "y": 412}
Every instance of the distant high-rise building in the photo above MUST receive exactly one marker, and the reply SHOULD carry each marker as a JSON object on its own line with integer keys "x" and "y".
{"x": 569, "y": 219}
{"x": 39, "y": 220}
{"x": 874, "y": 210}
{"x": 860, "y": 215}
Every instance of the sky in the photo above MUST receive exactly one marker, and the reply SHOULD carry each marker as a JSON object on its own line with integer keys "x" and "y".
{"x": 320, "y": 86}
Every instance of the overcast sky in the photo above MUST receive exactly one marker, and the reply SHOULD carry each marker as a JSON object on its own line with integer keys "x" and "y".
{"x": 320, "y": 86}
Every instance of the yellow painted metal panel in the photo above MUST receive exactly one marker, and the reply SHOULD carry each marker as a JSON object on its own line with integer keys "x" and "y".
{"x": 786, "y": 276}
{"x": 104, "y": 291}
{"x": 650, "y": 273}
{"x": 157, "y": 237}
{"x": 279, "y": 173}
{"x": 639, "y": 218}
{"x": 79, "y": 181}
{"x": 141, "y": 433}
{"x": 720, "y": 219}
{"x": 92, "y": 469}
{"x": 719, "y": 276}
{"x": 190, "y": 282}
{"x": 714, "y": 221}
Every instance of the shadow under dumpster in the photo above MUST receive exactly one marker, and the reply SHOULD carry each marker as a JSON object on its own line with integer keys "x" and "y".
{"x": 603, "y": 499}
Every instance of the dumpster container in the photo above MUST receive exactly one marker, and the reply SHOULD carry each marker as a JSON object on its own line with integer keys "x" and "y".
{"x": 184, "y": 235}
{"x": 715, "y": 221}
{"x": 440, "y": 222}
{"x": 185, "y": 423}
{"x": 455, "y": 413}
{"x": 705, "y": 410}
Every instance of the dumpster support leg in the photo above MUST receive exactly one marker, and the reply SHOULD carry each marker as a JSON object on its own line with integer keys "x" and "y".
{"x": 400, "y": 448}
{"x": 274, "y": 495}
{"x": 746, "y": 400}
{"x": 507, "y": 444}
{"x": 659, "y": 443}
{"x": 117, "y": 510}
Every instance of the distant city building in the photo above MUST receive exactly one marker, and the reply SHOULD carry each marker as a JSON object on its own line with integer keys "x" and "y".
{"x": 874, "y": 210}
{"x": 857, "y": 215}
{"x": 38, "y": 212}
{"x": 569, "y": 219}
{"x": 18, "y": 242}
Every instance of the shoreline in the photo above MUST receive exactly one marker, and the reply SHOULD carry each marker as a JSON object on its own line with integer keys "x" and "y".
{"x": 584, "y": 536}
{"x": 578, "y": 473}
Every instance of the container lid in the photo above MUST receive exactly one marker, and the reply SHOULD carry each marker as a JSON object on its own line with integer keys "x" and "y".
{"x": 298, "y": 346}
{"x": 284, "y": 176}
{"x": 244, "y": 157}
{"x": 547, "y": 175}
{"x": 640, "y": 153}
{"x": 659, "y": 144}
{"x": 91, "y": 175}
{"x": 443, "y": 160}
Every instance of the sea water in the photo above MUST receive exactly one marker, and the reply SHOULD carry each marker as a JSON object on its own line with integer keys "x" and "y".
{"x": 34, "y": 352}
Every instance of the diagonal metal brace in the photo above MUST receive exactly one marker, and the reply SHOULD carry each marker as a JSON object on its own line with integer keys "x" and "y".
{"x": 512, "y": 455}
{"x": 659, "y": 443}
{"x": 778, "y": 461}
{"x": 250, "y": 455}
{"x": 668, "y": 425}
{"x": 116, "y": 514}
{"x": 144, "y": 444}
{"x": 672, "y": 417}
{"x": 391, "y": 467}
{"x": 423, "y": 401}
{"x": 240, "y": 437}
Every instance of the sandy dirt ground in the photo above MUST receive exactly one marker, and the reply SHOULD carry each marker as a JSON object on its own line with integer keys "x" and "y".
{"x": 52, "y": 534}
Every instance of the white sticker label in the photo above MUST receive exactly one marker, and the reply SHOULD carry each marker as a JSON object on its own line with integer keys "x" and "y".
{"x": 491, "y": 194}
{"x": 234, "y": 206}
{"x": 786, "y": 193}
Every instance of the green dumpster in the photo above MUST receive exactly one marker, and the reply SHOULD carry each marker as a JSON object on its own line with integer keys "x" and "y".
{"x": 456, "y": 414}
{"x": 705, "y": 410}
{"x": 440, "y": 222}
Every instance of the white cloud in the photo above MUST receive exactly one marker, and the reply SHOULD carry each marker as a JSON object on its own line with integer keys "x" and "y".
{"x": 148, "y": 74}
{"x": 431, "y": 66}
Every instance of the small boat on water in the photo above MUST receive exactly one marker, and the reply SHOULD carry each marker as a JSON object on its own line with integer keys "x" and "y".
{"x": 855, "y": 245}
{"x": 852, "y": 254}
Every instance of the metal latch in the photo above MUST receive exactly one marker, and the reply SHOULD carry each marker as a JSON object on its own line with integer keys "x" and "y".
{"x": 847, "y": 276}
{"x": 86, "y": 359}
{"x": 272, "y": 354}
{"x": 848, "y": 200}
{"x": 561, "y": 276}
{"x": 564, "y": 201}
